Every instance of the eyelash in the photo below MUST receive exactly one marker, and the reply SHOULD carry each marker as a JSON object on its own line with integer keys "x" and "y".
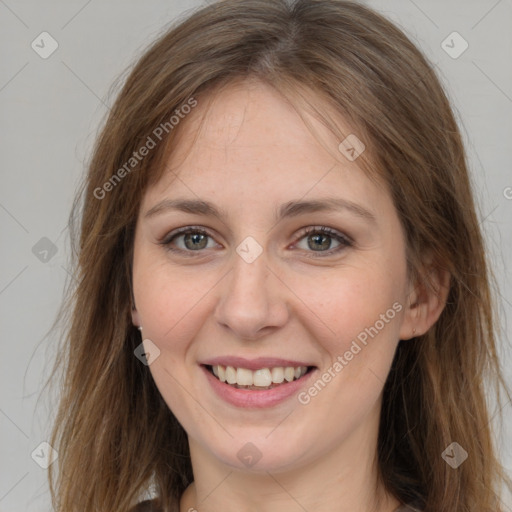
{"x": 344, "y": 240}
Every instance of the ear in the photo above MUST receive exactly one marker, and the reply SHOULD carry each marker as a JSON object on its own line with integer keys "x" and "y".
{"x": 135, "y": 313}
{"x": 135, "y": 317}
{"x": 425, "y": 303}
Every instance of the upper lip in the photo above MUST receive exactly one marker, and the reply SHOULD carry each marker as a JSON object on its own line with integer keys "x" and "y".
{"x": 253, "y": 364}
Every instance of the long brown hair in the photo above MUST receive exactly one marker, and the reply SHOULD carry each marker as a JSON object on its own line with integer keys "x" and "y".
{"x": 114, "y": 433}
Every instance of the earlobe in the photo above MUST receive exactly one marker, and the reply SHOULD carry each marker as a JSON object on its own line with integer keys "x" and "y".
{"x": 135, "y": 316}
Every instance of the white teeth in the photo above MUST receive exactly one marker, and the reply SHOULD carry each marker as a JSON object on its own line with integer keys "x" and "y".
{"x": 230, "y": 375}
{"x": 263, "y": 377}
{"x": 289, "y": 373}
{"x": 277, "y": 374}
{"x": 244, "y": 377}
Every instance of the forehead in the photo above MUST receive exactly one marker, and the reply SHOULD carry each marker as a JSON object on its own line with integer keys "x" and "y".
{"x": 249, "y": 117}
{"x": 249, "y": 140}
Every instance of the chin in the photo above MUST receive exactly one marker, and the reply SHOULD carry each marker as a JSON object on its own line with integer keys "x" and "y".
{"x": 259, "y": 455}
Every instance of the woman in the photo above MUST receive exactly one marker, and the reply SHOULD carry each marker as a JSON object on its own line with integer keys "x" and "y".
{"x": 283, "y": 297}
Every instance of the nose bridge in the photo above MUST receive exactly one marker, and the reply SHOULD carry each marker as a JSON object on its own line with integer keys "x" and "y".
{"x": 250, "y": 301}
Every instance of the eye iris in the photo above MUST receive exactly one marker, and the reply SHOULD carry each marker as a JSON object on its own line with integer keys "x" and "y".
{"x": 318, "y": 241}
{"x": 320, "y": 236}
{"x": 195, "y": 237}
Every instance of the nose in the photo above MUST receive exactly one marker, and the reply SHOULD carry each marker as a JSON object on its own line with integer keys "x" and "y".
{"x": 253, "y": 300}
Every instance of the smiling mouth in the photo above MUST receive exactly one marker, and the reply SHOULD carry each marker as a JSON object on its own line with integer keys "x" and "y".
{"x": 258, "y": 380}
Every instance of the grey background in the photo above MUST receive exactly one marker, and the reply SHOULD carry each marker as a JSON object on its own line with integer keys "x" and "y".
{"x": 51, "y": 109}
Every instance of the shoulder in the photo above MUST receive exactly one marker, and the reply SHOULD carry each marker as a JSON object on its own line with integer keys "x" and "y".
{"x": 146, "y": 506}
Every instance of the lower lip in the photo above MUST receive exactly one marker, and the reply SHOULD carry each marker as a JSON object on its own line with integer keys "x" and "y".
{"x": 253, "y": 398}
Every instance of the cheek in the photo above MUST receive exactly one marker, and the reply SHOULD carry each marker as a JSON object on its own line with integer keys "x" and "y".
{"x": 357, "y": 318}
{"x": 357, "y": 323}
{"x": 350, "y": 300}
{"x": 169, "y": 305}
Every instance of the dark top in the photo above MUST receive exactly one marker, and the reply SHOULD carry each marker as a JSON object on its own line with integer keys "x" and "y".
{"x": 145, "y": 506}
{"x": 148, "y": 506}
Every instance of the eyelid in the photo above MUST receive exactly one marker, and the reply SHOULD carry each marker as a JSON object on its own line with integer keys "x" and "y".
{"x": 327, "y": 230}
{"x": 167, "y": 238}
{"x": 345, "y": 240}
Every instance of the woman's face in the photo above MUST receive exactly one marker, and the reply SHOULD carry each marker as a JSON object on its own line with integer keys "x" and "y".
{"x": 252, "y": 284}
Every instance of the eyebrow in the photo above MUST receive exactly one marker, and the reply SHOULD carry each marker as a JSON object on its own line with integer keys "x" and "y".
{"x": 287, "y": 210}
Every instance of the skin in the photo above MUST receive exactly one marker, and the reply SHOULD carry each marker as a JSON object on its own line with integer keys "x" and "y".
{"x": 253, "y": 154}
